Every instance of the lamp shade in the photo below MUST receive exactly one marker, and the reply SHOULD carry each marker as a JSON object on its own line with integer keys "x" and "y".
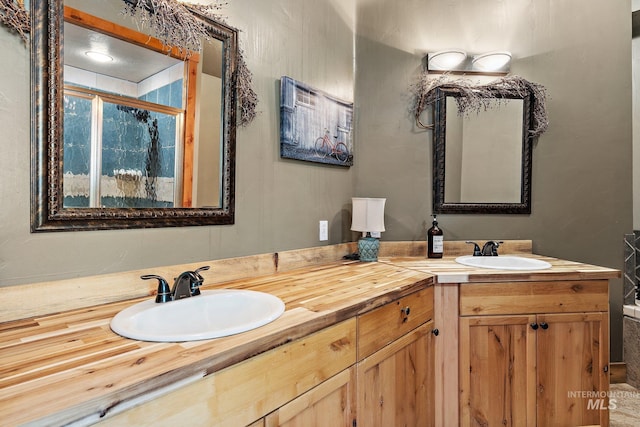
{"x": 367, "y": 214}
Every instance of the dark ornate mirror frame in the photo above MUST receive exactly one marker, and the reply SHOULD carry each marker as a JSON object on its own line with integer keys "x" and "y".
{"x": 438, "y": 101}
{"x": 47, "y": 211}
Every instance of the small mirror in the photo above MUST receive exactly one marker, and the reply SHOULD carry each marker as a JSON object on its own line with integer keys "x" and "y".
{"x": 142, "y": 136}
{"x": 482, "y": 160}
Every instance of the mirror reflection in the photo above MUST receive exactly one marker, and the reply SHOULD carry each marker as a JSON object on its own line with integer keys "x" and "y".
{"x": 126, "y": 116}
{"x": 484, "y": 154}
{"x": 482, "y": 159}
{"x": 143, "y": 138}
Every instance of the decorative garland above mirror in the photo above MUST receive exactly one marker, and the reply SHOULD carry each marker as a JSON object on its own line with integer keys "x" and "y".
{"x": 171, "y": 21}
{"x": 15, "y": 16}
{"x": 478, "y": 97}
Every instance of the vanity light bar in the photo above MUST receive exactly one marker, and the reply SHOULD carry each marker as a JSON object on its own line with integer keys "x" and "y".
{"x": 457, "y": 61}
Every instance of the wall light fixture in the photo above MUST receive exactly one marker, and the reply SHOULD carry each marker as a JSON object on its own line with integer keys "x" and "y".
{"x": 491, "y": 61}
{"x": 447, "y": 59}
{"x": 456, "y": 61}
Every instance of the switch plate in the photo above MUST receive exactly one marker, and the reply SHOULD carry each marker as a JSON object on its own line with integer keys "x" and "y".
{"x": 324, "y": 231}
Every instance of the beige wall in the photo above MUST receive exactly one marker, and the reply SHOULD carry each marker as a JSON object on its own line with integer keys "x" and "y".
{"x": 582, "y": 200}
{"x": 580, "y": 50}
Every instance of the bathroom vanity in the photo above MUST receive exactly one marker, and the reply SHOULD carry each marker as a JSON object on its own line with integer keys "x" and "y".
{"x": 532, "y": 348}
{"x": 404, "y": 341}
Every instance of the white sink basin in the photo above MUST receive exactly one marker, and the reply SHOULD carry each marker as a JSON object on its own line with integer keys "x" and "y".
{"x": 213, "y": 314}
{"x": 503, "y": 262}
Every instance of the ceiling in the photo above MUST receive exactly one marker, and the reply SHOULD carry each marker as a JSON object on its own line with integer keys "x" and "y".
{"x": 130, "y": 62}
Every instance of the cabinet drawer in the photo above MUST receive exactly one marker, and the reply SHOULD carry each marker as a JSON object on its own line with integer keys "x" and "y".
{"x": 534, "y": 297}
{"x": 385, "y": 324}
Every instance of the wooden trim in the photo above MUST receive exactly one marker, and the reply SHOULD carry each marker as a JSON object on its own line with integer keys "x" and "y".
{"x": 85, "y": 20}
{"x": 618, "y": 372}
{"x": 534, "y": 297}
{"x": 446, "y": 356}
{"x": 189, "y": 132}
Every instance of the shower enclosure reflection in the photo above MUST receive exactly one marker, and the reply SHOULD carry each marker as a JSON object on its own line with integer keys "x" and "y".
{"x": 125, "y": 126}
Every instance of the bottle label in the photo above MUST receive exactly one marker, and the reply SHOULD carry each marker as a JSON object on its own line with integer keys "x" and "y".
{"x": 438, "y": 244}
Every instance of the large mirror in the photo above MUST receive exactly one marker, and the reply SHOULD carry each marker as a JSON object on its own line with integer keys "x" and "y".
{"x": 128, "y": 133}
{"x": 482, "y": 159}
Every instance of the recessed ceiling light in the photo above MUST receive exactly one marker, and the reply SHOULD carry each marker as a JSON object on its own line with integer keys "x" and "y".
{"x": 98, "y": 56}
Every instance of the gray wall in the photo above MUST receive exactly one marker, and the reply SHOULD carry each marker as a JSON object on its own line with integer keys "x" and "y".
{"x": 278, "y": 202}
{"x": 582, "y": 202}
{"x": 580, "y": 50}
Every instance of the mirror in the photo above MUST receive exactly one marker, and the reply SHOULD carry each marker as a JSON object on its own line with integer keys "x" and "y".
{"x": 482, "y": 162}
{"x": 145, "y": 139}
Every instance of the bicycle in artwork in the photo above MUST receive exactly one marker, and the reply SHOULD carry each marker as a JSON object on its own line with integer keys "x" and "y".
{"x": 325, "y": 147}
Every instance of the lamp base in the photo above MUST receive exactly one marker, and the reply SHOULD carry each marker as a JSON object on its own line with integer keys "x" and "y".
{"x": 368, "y": 248}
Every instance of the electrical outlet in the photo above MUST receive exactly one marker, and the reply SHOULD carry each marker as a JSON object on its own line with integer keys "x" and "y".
{"x": 324, "y": 231}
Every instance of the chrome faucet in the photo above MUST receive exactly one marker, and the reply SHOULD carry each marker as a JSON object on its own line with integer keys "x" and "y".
{"x": 186, "y": 285}
{"x": 490, "y": 248}
{"x": 182, "y": 286}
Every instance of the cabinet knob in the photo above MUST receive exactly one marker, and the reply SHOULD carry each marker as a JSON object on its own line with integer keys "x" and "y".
{"x": 544, "y": 325}
{"x": 405, "y": 311}
{"x": 534, "y": 326}
{"x": 435, "y": 332}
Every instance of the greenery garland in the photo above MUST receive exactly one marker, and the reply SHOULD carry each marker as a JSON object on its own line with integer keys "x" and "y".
{"x": 478, "y": 97}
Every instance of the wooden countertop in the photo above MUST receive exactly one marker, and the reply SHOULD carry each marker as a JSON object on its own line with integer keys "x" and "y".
{"x": 60, "y": 368}
{"x": 446, "y": 270}
{"x": 63, "y": 367}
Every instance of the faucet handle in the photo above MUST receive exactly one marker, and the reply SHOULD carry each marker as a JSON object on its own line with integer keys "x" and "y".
{"x": 164, "y": 292}
{"x": 199, "y": 269}
{"x": 197, "y": 280}
{"x": 476, "y": 248}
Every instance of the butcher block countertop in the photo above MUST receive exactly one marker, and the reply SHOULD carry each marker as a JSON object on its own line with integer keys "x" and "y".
{"x": 70, "y": 366}
{"x": 446, "y": 270}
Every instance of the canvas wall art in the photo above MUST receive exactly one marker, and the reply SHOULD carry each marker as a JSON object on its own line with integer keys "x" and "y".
{"x": 314, "y": 126}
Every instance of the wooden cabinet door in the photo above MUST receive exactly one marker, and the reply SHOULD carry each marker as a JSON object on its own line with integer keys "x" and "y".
{"x": 497, "y": 371}
{"x": 328, "y": 404}
{"x": 396, "y": 383}
{"x": 573, "y": 365}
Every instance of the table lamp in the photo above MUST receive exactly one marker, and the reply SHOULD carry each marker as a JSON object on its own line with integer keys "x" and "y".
{"x": 368, "y": 217}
